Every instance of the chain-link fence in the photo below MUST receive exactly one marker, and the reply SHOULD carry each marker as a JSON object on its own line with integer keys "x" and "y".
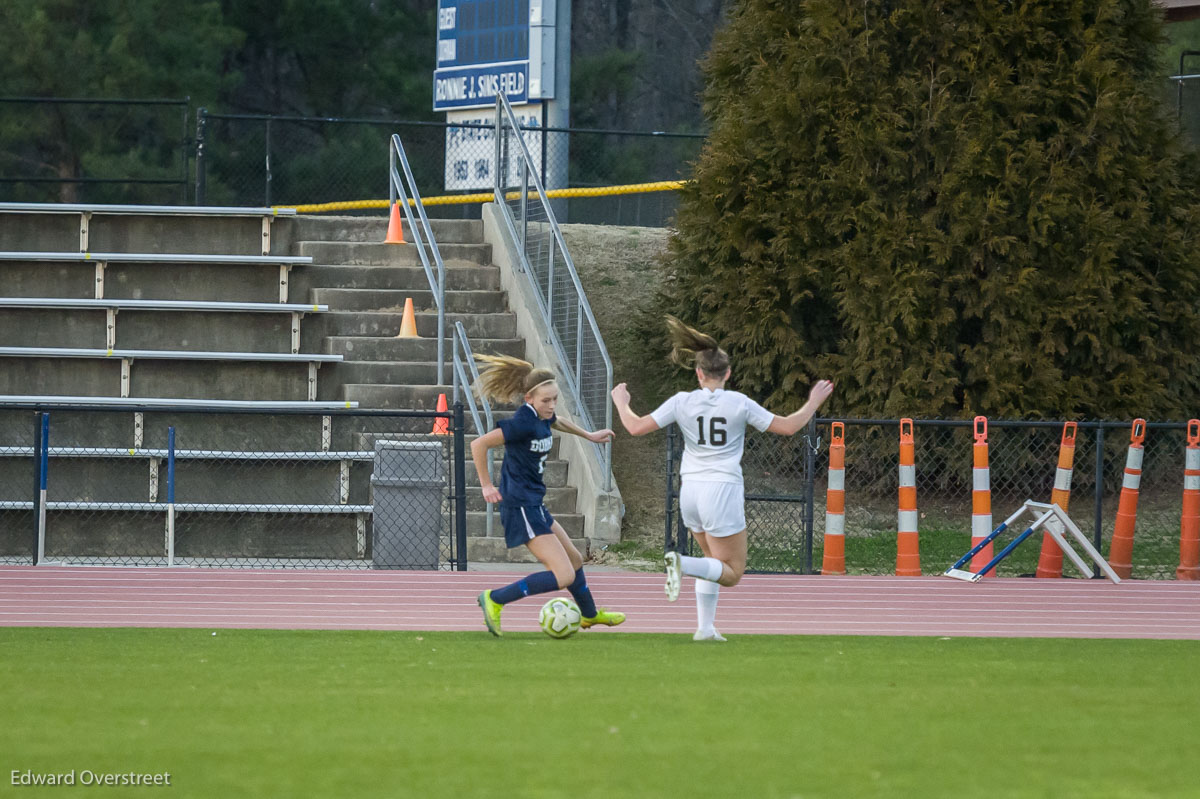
{"x": 95, "y": 151}
{"x": 345, "y": 490}
{"x": 1023, "y": 460}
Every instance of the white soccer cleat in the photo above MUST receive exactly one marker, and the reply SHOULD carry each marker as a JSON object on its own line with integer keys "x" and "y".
{"x": 674, "y": 575}
{"x": 708, "y": 635}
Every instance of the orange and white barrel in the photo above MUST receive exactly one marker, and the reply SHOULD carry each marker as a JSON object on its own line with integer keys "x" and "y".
{"x": 1051, "y": 558}
{"x": 834, "y": 560}
{"x": 1189, "y": 521}
{"x": 908, "y": 556}
{"x": 1120, "y": 553}
{"x": 981, "y": 496}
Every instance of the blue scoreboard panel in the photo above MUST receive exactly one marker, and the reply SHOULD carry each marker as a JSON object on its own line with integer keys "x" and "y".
{"x": 483, "y": 48}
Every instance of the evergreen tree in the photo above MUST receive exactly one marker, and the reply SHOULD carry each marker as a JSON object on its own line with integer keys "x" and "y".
{"x": 105, "y": 49}
{"x": 949, "y": 208}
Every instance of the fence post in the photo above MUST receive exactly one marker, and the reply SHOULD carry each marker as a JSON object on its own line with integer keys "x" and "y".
{"x": 201, "y": 163}
{"x": 37, "y": 484}
{"x": 184, "y": 147}
{"x": 810, "y": 465}
{"x": 1099, "y": 491}
{"x": 460, "y": 488}
{"x": 267, "y": 163}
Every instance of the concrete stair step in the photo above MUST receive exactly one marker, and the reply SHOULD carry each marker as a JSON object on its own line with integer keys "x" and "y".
{"x": 392, "y": 300}
{"x": 335, "y": 375}
{"x": 559, "y": 500}
{"x": 378, "y": 323}
{"x": 389, "y": 348}
{"x": 373, "y": 229}
{"x": 460, "y": 276}
{"x": 477, "y": 524}
{"x": 395, "y": 397}
{"x": 481, "y": 549}
{"x": 366, "y": 253}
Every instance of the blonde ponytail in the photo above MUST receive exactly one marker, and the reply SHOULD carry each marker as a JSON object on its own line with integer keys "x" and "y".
{"x": 692, "y": 349}
{"x": 509, "y": 379}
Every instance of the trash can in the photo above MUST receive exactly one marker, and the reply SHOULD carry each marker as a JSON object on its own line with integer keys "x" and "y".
{"x": 407, "y": 489}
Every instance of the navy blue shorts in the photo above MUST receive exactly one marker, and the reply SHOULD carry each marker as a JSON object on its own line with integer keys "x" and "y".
{"x": 523, "y": 522}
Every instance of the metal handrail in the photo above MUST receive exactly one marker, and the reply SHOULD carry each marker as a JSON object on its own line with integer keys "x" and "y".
{"x": 572, "y": 378}
{"x": 437, "y": 283}
{"x": 461, "y": 342}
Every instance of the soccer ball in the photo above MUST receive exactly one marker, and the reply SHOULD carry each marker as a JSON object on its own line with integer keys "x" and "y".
{"x": 560, "y": 618}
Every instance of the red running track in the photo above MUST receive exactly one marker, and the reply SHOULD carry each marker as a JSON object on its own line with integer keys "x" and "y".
{"x": 795, "y": 605}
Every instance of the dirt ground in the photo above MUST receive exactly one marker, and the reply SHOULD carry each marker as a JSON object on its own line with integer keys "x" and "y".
{"x": 621, "y": 271}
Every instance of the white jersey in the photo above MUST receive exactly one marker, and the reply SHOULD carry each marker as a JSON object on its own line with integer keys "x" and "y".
{"x": 714, "y": 429}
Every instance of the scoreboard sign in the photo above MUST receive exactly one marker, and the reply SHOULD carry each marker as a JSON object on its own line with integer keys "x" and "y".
{"x": 485, "y": 47}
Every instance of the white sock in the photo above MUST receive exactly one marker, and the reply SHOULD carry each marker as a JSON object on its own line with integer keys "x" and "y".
{"x": 701, "y": 568}
{"x": 707, "y": 594}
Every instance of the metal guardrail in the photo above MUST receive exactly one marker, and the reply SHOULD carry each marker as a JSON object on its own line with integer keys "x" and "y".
{"x": 573, "y": 331}
{"x": 421, "y": 235}
{"x": 463, "y": 365}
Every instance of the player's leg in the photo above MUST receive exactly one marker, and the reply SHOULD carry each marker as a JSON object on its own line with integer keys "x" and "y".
{"x": 707, "y": 593}
{"x": 528, "y": 526}
{"x": 710, "y": 509}
{"x": 579, "y": 588}
{"x": 693, "y": 497}
{"x": 730, "y": 550}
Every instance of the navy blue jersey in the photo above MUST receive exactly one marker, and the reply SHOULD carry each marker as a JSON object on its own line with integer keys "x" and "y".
{"x": 527, "y": 442}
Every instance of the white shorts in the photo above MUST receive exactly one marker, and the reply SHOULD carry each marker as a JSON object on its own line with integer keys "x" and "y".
{"x": 718, "y": 509}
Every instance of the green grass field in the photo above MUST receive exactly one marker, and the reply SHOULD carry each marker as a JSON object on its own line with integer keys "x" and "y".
{"x": 366, "y": 714}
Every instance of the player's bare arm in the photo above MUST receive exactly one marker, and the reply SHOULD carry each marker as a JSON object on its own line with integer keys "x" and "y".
{"x": 635, "y": 425}
{"x": 598, "y": 437}
{"x": 479, "y": 455}
{"x": 792, "y": 423}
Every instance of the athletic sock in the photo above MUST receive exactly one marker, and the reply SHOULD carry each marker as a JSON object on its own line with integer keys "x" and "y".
{"x": 536, "y": 583}
{"x": 701, "y": 568}
{"x": 707, "y": 594}
{"x": 583, "y": 595}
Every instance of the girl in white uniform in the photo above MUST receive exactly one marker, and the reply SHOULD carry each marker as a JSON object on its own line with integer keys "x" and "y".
{"x": 712, "y": 498}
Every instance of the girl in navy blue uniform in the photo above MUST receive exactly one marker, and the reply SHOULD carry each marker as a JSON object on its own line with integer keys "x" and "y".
{"x": 527, "y": 438}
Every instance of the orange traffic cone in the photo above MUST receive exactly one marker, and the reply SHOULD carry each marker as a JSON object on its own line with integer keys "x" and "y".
{"x": 1120, "y": 552}
{"x": 981, "y": 496}
{"x": 408, "y": 325}
{"x": 834, "y": 559}
{"x": 441, "y": 425}
{"x": 1189, "y": 522}
{"x": 1051, "y": 559}
{"x": 908, "y": 557}
{"x": 395, "y": 234}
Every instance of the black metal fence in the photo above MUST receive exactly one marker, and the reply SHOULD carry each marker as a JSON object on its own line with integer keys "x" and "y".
{"x": 786, "y": 483}
{"x": 165, "y": 152}
{"x": 344, "y": 490}
{"x": 96, "y": 150}
{"x": 245, "y": 159}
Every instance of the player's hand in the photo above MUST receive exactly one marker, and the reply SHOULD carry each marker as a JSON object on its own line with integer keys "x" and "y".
{"x": 600, "y": 436}
{"x": 821, "y": 391}
{"x": 620, "y": 394}
{"x": 491, "y": 495}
